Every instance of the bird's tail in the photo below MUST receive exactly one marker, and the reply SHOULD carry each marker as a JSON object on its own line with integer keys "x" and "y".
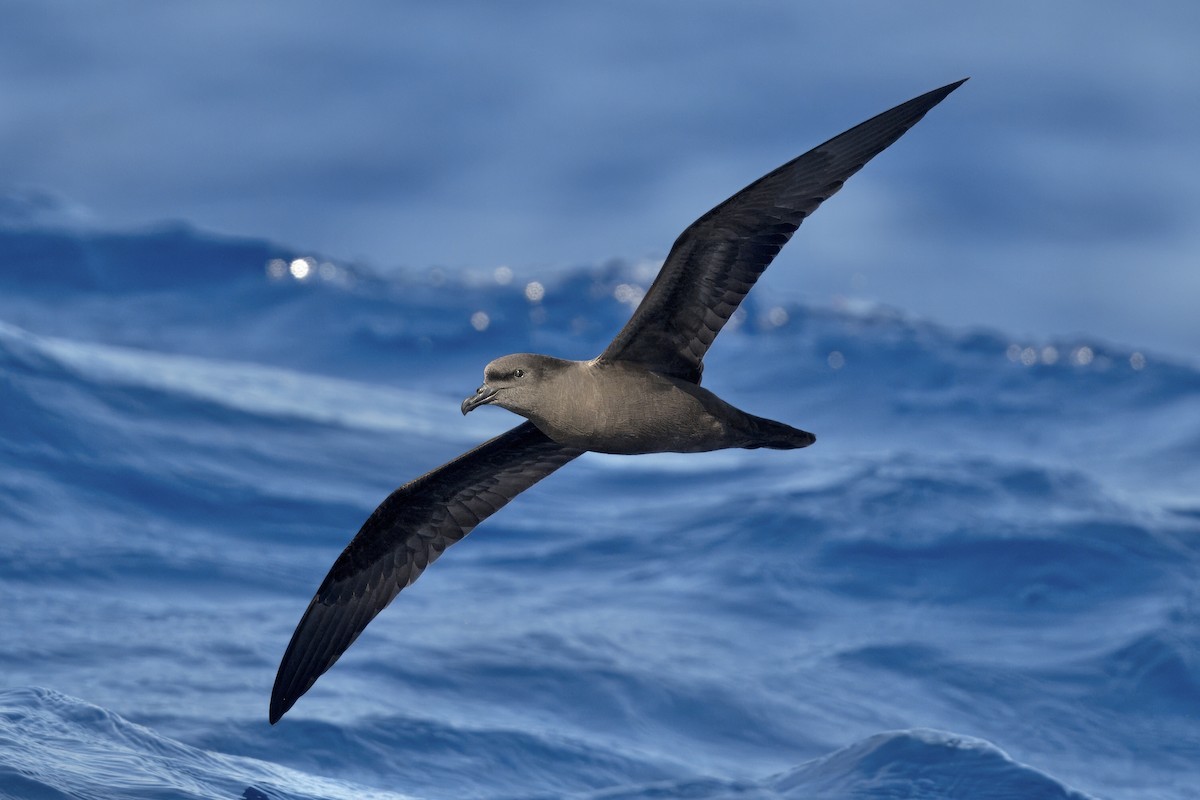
{"x": 775, "y": 435}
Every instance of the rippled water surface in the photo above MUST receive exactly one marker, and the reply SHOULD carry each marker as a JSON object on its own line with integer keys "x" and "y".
{"x": 982, "y": 582}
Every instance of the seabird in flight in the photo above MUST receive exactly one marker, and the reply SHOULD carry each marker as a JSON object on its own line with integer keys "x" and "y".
{"x": 641, "y": 395}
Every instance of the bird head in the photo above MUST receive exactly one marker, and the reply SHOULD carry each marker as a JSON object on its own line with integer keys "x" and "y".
{"x": 508, "y": 382}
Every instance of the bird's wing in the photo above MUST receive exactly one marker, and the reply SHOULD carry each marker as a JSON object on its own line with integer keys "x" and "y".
{"x": 408, "y": 531}
{"x": 716, "y": 260}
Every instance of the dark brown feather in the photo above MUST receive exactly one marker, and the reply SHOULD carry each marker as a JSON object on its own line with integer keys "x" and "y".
{"x": 716, "y": 260}
{"x": 711, "y": 267}
{"x": 406, "y": 534}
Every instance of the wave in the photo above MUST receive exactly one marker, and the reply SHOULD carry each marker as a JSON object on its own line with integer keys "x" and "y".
{"x": 992, "y": 536}
{"x": 57, "y": 746}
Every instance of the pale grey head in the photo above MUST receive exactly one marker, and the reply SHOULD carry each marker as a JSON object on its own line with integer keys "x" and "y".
{"x": 513, "y": 382}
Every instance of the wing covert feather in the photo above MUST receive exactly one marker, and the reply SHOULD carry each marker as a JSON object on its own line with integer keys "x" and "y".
{"x": 717, "y": 259}
{"x": 404, "y": 535}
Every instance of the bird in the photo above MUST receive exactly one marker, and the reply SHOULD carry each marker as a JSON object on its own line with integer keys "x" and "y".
{"x": 641, "y": 395}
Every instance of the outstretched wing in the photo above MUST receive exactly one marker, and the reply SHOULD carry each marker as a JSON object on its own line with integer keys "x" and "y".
{"x": 716, "y": 260}
{"x": 408, "y": 531}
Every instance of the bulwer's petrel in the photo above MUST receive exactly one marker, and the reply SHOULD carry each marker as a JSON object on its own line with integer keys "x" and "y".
{"x": 641, "y": 395}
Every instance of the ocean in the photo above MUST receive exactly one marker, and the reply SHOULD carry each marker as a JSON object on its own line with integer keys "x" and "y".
{"x": 983, "y": 581}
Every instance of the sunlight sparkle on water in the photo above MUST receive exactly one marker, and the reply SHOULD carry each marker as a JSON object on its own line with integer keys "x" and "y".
{"x": 777, "y": 316}
{"x": 628, "y": 293}
{"x": 301, "y": 268}
{"x": 534, "y": 292}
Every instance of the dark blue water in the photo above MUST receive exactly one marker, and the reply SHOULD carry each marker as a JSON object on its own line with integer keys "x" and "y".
{"x": 982, "y": 582}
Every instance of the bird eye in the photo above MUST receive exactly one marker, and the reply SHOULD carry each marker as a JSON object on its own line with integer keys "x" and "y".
{"x": 518, "y": 373}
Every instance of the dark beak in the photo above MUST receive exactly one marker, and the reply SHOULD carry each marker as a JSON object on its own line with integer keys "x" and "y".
{"x": 483, "y": 395}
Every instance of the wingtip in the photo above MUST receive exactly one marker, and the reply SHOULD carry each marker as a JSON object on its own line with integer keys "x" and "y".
{"x": 278, "y": 709}
{"x": 280, "y": 705}
{"x": 927, "y": 101}
{"x": 949, "y": 87}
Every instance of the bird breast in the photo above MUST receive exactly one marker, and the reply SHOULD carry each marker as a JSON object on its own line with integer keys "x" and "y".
{"x": 628, "y": 410}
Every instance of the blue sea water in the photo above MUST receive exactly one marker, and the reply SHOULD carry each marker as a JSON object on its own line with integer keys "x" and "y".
{"x": 983, "y": 581}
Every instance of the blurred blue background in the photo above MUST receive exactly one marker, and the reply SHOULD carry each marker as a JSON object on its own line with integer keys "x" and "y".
{"x": 1056, "y": 194}
{"x": 253, "y": 255}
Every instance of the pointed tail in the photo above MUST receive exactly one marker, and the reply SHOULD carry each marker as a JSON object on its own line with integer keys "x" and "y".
{"x": 775, "y": 435}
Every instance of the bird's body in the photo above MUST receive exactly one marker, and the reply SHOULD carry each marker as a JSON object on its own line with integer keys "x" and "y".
{"x": 623, "y": 408}
{"x": 641, "y": 395}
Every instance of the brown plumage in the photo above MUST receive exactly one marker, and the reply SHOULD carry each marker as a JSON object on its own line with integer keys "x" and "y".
{"x": 641, "y": 395}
